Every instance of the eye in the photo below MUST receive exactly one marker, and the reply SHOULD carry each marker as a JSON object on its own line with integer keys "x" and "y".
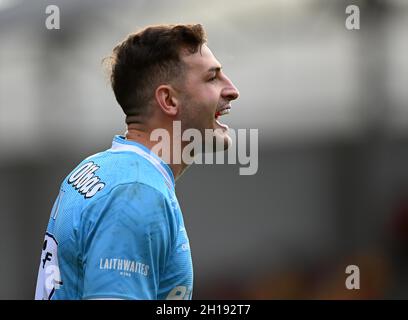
{"x": 212, "y": 79}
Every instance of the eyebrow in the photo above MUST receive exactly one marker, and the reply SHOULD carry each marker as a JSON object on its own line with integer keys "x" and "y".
{"x": 214, "y": 69}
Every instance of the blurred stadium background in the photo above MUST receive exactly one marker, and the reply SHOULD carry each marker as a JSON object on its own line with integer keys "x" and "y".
{"x": 331, "y": 106}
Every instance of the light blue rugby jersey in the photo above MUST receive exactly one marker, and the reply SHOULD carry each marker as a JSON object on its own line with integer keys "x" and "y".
{"x": 116, "y": 231}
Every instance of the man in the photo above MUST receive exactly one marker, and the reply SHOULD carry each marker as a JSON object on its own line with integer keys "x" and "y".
{"x": 116, "y": 230}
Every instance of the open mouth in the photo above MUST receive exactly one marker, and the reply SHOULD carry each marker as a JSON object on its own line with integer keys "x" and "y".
{"x": 221, "y": 112}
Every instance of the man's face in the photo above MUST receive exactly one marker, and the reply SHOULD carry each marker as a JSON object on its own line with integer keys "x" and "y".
{"x": 207, "y": 93}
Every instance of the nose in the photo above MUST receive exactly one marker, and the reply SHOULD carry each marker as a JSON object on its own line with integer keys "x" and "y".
{"x": 230, "y": 92}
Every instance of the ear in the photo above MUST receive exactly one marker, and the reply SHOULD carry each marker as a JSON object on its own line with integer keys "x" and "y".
{"x": 167, "y": 100}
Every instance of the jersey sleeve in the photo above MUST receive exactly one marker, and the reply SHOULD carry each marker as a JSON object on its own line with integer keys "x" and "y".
{"x": 126, "y": 238}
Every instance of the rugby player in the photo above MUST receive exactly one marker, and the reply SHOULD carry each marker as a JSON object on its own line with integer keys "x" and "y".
{"x": 116, "y": 230}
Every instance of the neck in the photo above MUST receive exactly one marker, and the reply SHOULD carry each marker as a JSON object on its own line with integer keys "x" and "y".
{"x": 140, "y": 134}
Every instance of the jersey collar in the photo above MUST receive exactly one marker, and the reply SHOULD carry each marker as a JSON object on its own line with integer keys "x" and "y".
{"x": 120, "y": 143}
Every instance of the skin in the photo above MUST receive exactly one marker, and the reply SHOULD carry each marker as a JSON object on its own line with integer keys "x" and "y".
{"x": 194, "y": 102}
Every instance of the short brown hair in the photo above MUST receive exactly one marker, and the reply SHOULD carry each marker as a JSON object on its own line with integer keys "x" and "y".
{"x": 148, "y": 58}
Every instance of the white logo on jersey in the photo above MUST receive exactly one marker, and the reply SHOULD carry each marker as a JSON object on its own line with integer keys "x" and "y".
{"x": 127, "y": 267}
{"x": 49, "y": 276}
{"x": 85, "y": 181}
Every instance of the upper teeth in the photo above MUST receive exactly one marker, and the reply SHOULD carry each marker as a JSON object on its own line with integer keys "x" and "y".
{"x": 224, "y": 111}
